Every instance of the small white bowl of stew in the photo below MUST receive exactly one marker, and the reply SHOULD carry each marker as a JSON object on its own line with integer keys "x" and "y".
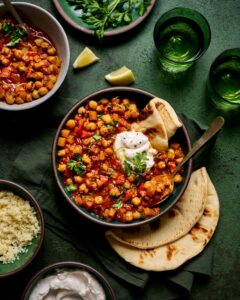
{"x": 33, "y": 64}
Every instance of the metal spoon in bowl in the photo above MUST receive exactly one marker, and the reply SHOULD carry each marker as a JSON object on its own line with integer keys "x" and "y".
{"x": 14, "y": 12}
{"x": 214, "y": 127}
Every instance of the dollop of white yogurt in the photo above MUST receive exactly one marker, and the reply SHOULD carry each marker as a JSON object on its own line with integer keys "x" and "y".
{"x": 129, "y": 143}
{"x": 68, "y": 285}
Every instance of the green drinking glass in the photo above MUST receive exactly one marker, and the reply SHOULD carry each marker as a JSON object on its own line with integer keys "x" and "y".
{"x": 223, "y": 84}
{"x": 181, "y": 35}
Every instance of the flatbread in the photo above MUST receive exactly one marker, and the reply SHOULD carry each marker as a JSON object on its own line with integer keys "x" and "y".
{"x": 173, "y": 255}
{"x": 175, "y": 223}
{"x": 159, "y": 122}
{"x": 153, "y": 127}
{"x": 169, "y": 116}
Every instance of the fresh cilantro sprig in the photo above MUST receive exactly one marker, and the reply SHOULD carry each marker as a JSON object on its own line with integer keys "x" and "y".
{"x": 15, "y": 33}
{"x": 77, "y": 165}
{"x": 137, "y": 165}
{"x": 109, "y": 13}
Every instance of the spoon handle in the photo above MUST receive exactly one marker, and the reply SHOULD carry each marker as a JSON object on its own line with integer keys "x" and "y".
{"x": 214, "y": 127}
{"x": 13, "y": 11}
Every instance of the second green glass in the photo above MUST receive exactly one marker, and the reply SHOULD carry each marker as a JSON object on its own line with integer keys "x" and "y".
{"x": 181, "y": 36}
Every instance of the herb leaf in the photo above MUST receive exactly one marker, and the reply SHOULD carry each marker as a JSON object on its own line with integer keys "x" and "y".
{"x": 71, "y": 187}
{"x": 77, "y": 166}
{"x": 137, "y": 165}
{"x": 16, "y": 33}
{"x": 108, "y": 13}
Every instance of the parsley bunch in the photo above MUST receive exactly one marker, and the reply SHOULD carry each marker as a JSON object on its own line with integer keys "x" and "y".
{"x": 102, "y": 14}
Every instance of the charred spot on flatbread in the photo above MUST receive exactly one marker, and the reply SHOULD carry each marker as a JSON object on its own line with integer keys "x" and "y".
{"x": 170, "y": 251}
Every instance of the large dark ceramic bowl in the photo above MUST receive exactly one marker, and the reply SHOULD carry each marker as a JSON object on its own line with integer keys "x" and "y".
{"x": 32, "y": 250}
{"x": 142, "y": 98}
{"x": 57, "y": 268}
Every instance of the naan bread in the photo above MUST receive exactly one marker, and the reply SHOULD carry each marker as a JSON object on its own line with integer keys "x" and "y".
{"x": 173, "y": 255}
{"x": 175, "y": 223}
{"x": 159, "y": 122}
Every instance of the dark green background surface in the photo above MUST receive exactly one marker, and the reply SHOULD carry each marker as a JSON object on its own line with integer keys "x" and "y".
{"x": 187, "y": 96}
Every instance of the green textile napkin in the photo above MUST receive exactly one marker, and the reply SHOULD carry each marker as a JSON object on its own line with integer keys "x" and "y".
{"x": 26, "y": 160}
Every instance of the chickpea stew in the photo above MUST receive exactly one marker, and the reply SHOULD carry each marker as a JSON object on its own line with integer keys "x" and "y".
{"x": 92, "y": 172}
{"x": 29, "y": 64}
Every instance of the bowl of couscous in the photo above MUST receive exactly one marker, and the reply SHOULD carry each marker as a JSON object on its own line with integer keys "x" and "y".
{"x": 22, "y": 228}
{"x": 33, "y": 63}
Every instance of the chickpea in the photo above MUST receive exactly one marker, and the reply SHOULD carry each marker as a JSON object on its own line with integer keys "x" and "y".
{"x": 5, "y": 50}
{"x": 104, "y": 130}
{"x": 108, "y": 151}
{"x": 39, "y": 65}
{"x": 43, "y": 91}
{"x": 78, "y": 179}
{"x": 10, "y": 99}
{"x": 53, "y": 78}
{"x": 30, "y": 86}
{"x": 127, "y": 185}
{"x": 51, "y": 51}
{"x": 18, "y": 54}
{"x": 104, "y": 101}
{"x": 112, "y": 212}
{"x": 107, "y": 119}
{"x": 19, "y": 100}
{"x": 49, "y": 85}
{"x": 93, "y": 104}
{"x": 83, "y": 188}
{"x": 77, "y": 149}
{"x": 44, "y": 45}
{"x": 5, "y": 61}
{"x": 86, "y": 159}
{"x": 52, "y": 69}
{"x": 114, "y": 192}
{"x": 125, "y": 101}
{"x": 161, "y": 165}
{"x": 131, "y": 178}
{"x": 100, "y": 123}
{"x": 177, "y": 178}
{"x": 133, "y": 107}
{"x": 99, "y": 183}
{"x": 23, "y": 95}
{"x": 28, "y": 97}
{"x": 114, "y": 175}
{"x": 38, "y": 42}
{"x": 81, "y": 110}
{"x": 62, "y": 168}
{"x": 38, "y": 84}
{"x": 98, "y": 200}
{"x": 38, "y": 75}
{"x": 91, "y": 126}
{"x": 136, "y": 215}
{"x": 99, "y": 108}
{"x": 61, "y": 152}
{"x": 128, "y": 216}
{"x": 171, "y": 154}
{"x": 35, "y": 94}
{"x": 22, "y": 68}
{"x": 68, "y": 181}
{"x": 104, "y": 143}
{"x": 70, "y": 123}
{"x": 136, "y": 201}
{"x": 178, "y": 160}
{"x": 105, "y": 167}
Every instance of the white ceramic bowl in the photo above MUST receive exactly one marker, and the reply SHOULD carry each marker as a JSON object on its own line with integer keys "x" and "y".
{"x": 42, "y": 19}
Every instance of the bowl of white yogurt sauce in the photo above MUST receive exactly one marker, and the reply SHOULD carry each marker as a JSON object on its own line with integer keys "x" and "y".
{"x": 68, "y": 281}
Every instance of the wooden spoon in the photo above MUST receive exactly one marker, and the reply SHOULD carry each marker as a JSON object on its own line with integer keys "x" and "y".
{"x": 214, "y": 127}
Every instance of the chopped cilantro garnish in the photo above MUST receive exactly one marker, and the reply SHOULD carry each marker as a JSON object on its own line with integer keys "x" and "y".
{"x": 137, "y": 165}
{"x": 71, "y": 187}
{"x": 77, "y": 166}
{"x": 117, "y": 204}
{"x": 15, "y": 33}
{"x": 97, "y": 137}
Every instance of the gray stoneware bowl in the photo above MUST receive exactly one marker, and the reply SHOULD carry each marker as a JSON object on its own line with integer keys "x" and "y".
{"x": 142, "y": 98}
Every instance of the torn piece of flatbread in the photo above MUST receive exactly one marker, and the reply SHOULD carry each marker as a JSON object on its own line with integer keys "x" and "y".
{"x": 159, "y": 122}
{"x": 173, "y": 255}
{"x": 172, "y": 225}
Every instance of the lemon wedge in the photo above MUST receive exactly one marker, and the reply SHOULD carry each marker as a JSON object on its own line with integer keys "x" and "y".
{"x": 122, "y": 76}
{"x": 85, "y": 58}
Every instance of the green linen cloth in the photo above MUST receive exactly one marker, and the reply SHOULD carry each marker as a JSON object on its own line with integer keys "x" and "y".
{"x": 26, "y": 159}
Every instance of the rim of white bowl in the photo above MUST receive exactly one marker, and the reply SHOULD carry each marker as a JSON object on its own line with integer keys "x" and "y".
{"x": 63, "y": 70}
